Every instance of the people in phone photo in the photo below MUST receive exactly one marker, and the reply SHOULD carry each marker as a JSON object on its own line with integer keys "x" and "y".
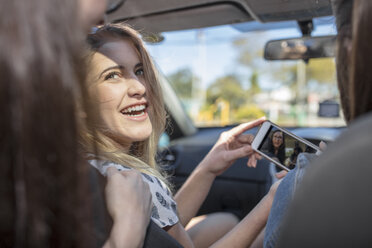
{"x": 276, "y": 148}
{"x": 291, "y": 160}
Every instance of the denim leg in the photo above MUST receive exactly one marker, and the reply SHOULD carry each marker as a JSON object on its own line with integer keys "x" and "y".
{"x": 283, "y": 197}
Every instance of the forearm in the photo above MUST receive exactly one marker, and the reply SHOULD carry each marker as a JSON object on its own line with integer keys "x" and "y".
{"x": 193, "y": 193}
{"x": 249, "y": 228}
{"x": 178, "y": 232}
{"x": 126, "y": 235}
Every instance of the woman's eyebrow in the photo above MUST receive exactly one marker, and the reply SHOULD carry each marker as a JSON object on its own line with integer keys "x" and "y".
{"x": 138, "y": 65}
{"x": 120, "y": 67}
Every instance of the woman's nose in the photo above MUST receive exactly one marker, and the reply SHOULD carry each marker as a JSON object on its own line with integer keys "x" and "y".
{"x": 136, "y": 88}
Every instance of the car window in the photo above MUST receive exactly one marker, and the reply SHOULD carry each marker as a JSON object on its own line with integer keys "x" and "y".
{"x": 221, "y": 77}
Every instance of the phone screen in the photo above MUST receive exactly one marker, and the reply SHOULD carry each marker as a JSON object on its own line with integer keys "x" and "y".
{"x": 283, "y": 147}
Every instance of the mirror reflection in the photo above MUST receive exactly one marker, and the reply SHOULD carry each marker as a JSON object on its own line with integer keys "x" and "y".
{"x": 300, "y": 48}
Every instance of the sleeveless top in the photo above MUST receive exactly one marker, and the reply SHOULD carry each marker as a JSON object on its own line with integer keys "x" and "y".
{"x": 164, "y": 208}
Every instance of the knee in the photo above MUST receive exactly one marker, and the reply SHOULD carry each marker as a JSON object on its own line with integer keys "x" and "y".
{"x": 229, "y": 219}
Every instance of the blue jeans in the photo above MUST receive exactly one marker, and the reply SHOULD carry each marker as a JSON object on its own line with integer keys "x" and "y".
{"x": 283, "y": 197}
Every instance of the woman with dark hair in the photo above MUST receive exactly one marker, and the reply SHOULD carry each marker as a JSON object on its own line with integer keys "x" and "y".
{"x": 277, "y": 146}
{"x": 331, "y": 207}
{"x": 45, "y": 194}
{"x": 361, "y": 61}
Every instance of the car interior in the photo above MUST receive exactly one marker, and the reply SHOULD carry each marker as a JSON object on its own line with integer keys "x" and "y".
{"x": 240, "y": 188}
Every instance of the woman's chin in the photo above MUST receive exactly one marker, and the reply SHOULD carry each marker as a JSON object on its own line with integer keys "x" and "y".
{"x": 141, "y": 136}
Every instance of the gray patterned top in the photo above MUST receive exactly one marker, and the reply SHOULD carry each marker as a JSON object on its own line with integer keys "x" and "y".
{"x": 164, "y": 208}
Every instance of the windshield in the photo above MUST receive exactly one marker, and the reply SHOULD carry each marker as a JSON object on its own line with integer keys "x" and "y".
{"x": 221, "y": 77}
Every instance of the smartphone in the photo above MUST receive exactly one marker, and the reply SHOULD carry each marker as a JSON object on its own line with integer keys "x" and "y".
{"x": 281, "y": 146}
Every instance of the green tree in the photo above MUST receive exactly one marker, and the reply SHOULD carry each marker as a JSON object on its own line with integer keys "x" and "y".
{"x": 322, "y": 70}
{"x": 249, "y": 51}
{"x": 228, "y": 88}
{"x": 250, "y": 56}
{"x": 255, "y": 86}
{"x": 182, "y": 82}
{"x": 248, "y": 112}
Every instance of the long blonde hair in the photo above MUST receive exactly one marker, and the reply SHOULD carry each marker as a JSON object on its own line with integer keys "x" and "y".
{"x": 141, "y": 155}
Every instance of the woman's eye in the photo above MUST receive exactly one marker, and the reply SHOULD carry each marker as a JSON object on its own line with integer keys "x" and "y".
{"x": 140, "y": 72}
{"x": 113, "y": 75}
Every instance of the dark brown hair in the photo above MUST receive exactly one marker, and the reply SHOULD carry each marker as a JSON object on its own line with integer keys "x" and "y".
{"x": 361, "y": 59}
{"x": 281, "y": 149}
{"x": 42, "y": 184}
{"x": 342, "y": 10}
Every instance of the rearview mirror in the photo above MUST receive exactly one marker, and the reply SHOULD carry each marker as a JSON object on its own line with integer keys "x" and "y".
{"x": 300, "y": 48}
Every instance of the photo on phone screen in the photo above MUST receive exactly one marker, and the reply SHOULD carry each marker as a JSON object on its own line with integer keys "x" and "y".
{"x": 282, "y": 147}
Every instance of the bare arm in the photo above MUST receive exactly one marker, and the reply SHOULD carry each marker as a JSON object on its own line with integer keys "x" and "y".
{"x": 249, "y": 228}
{"x": 247, "y": 231}
{"x": 193, "y": 193}
{"x": 179, "y": 233}
{"x": 231, "y": 145}
{"x": 242, "y": 235}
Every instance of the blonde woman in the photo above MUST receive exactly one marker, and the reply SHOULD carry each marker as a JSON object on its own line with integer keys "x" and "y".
{"x": 123, "y": 82}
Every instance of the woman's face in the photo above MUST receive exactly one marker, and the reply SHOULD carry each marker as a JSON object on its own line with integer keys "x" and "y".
{"x": 277, "y": 139}
{"x": 116, "y": 80}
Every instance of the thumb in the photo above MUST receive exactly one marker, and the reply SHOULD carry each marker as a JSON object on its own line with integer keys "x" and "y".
{"x": 322, "y": 146}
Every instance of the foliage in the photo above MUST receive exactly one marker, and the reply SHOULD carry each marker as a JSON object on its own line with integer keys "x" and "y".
{"x": 255, "y": 86}
{"x": 227, "y": 88}
{"x": 248, "y": 112}
{"x": 228, "y": 101}
{"x": 182, "y": 82}
{"x": 248, "y": 52}
{"x": 321, "y": 70}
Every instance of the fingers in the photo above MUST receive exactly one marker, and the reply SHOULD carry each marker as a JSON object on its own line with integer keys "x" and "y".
{"x": 236, "y": 131}
{"x": 252, "y": 162}
{"x": 238, "y": 153}
{"x": 258, "y": 156}
{"x": 131, "y": 173}
{"x": 246, "y": 138}
{"x": 322, "y": 146}
{"x": 281, "y": 174}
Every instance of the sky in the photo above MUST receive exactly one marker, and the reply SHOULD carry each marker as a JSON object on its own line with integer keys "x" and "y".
{"x": 209, "y": 52}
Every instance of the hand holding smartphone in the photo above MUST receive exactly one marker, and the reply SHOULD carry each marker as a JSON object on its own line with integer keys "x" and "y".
{"x": 281, "y": 146}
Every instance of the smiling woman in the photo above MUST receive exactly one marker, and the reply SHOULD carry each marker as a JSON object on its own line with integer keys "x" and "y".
{"x": 122, "y": 81}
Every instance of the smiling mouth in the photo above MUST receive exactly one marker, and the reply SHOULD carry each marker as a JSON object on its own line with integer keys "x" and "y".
{"x": 135, "y": 111}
